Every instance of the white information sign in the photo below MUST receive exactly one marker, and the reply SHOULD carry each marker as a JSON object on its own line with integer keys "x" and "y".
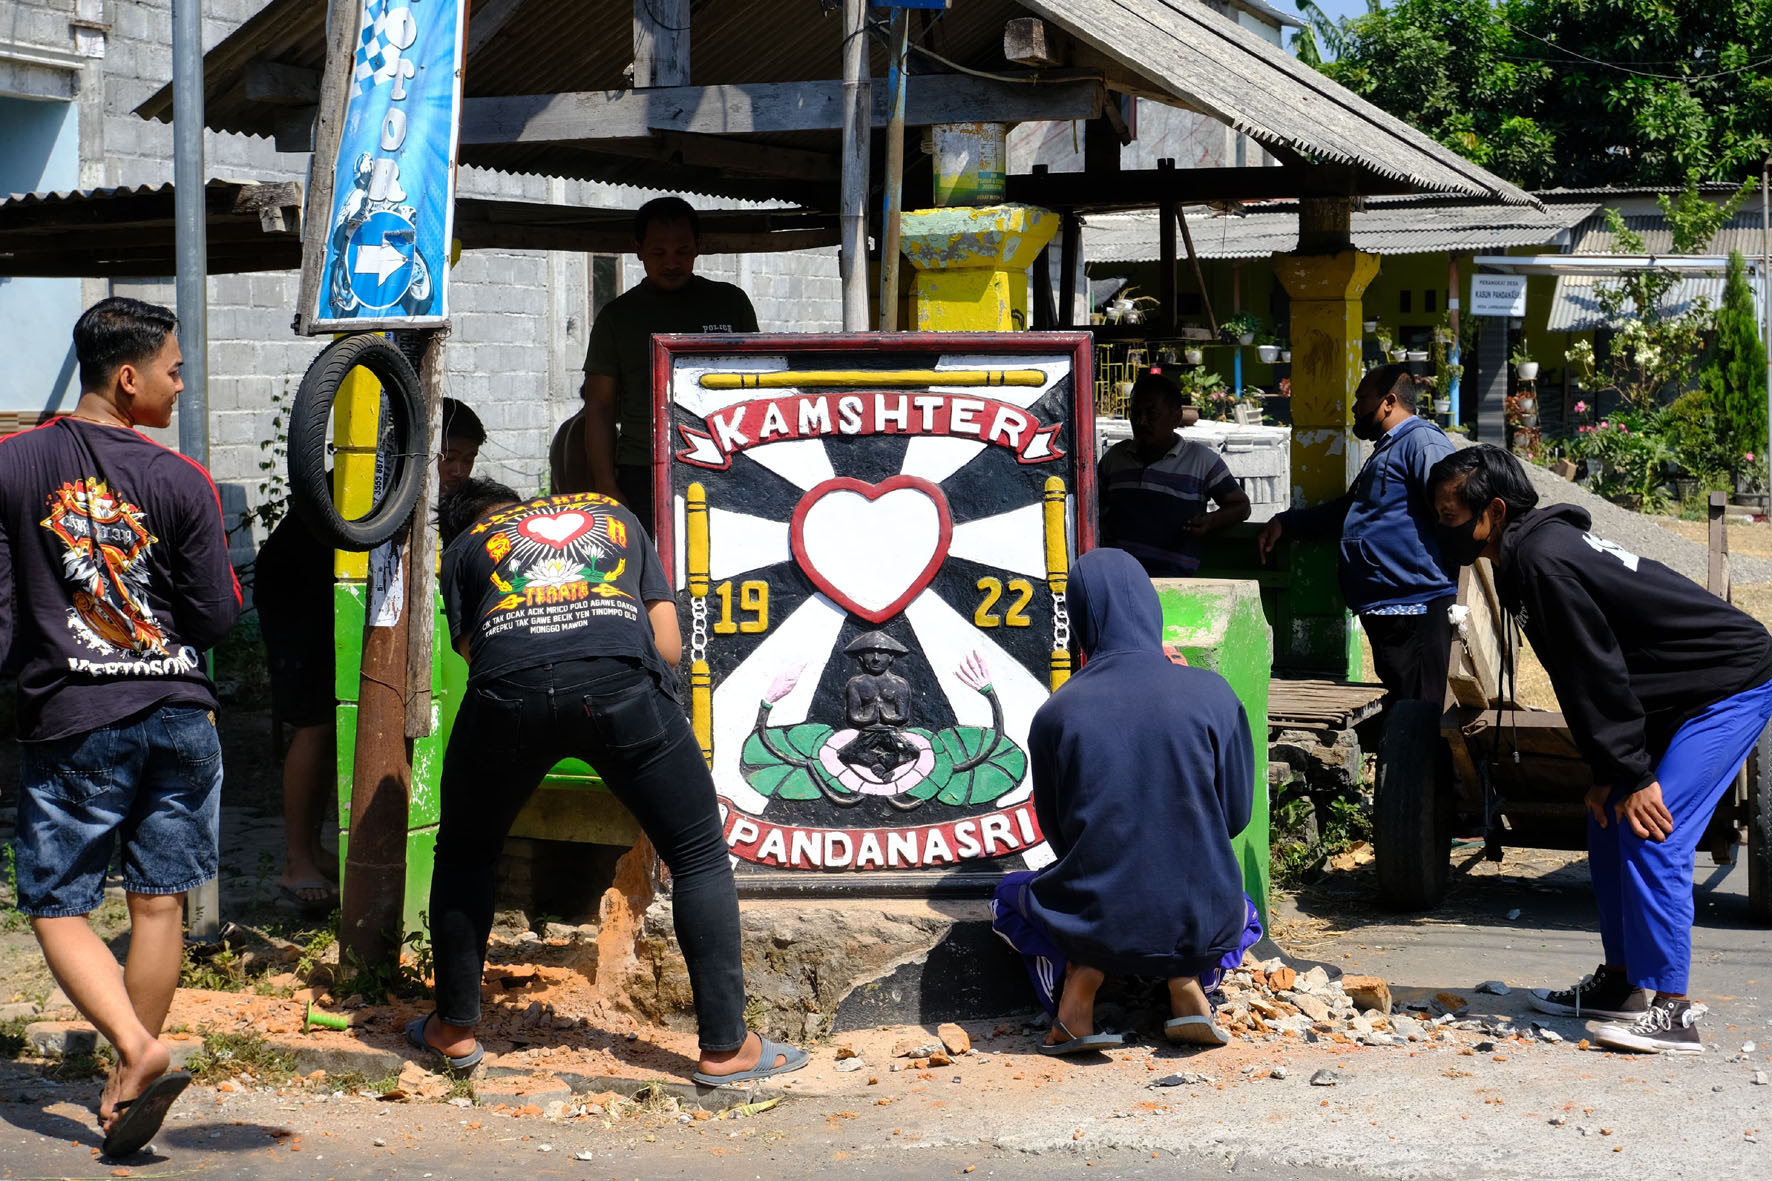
{"x": 1498, "y": 295}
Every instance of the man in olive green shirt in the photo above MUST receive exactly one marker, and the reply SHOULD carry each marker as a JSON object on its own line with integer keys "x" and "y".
{"x": 588, "y": 455}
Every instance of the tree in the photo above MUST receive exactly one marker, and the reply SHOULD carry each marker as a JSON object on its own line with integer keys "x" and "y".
{"x": 1735, "y": 381}
{"x": 1573, "y": 92}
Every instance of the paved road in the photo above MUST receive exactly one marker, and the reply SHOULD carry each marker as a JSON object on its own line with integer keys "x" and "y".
{"x": 1518, "y": 1112}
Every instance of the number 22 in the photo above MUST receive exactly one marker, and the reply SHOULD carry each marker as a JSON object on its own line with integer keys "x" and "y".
{"x": 1016, "y": 615}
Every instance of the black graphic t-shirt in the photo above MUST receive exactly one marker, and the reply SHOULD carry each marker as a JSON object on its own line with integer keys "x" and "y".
{"x": 553, "y": 579}
{"x": 114, "y": 575}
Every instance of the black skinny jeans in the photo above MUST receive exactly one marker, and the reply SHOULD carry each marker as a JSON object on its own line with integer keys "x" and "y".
{"x": 611, "y": 714}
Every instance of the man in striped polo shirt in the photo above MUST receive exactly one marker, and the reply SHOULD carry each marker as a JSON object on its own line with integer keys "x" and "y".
{"x": 1154, "y": 487}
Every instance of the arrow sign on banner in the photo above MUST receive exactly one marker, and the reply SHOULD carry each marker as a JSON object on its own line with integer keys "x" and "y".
{"x": 380, "y": 261}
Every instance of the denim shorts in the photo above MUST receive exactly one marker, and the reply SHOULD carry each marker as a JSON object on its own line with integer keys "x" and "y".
{"x": 154, "y": 780}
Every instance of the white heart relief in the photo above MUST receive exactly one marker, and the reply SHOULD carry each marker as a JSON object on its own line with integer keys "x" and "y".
{"x": 872, "y": 553}
{"x": 556, "y": 530}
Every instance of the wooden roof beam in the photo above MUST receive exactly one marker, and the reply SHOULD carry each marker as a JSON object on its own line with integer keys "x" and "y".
{"x": 1150, "y": 188}
{"x": 762, "y": 108}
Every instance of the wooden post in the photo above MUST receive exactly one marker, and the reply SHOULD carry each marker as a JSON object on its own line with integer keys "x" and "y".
{"x": 661, "y": 43}
{"x": 1193, "y": 260}
{"x": 889, "y": 238}
{"x": 421, "y": 571}
{"x": 335, "y": 83}
{"x": 1168, "y": 289}
{"x": 381, "y": 791}
{"x": 1070, "y": 249}
{"x": 1718, "y": 581}
{"x": 857, "y": 124}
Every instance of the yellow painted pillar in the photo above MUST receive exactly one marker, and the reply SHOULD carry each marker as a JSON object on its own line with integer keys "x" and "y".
{"x": 1326, "y": 369}
{"x": 971, "y": 265}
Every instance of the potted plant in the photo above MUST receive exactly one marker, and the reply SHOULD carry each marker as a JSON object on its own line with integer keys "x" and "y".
{"x": 1285, "y": 356}
{"x": 1268, "y": 350}
{"x": 1383, "y": 336}
{"x": 1398, "y": 354}
{"x": 1416, "y": 354}
{"x": 1194, "y": 356}
{"x": 1241, "y": 328}
{"x": 1369, "y": 327}
{"x": 1524, "y": 365}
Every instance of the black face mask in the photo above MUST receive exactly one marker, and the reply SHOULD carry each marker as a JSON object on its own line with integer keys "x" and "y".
{"x": 1459, "y": 544}
{"x": 1367, "y": 428}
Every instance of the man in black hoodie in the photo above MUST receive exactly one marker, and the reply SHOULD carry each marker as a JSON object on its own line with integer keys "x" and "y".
{"x": 1665, "y": 687}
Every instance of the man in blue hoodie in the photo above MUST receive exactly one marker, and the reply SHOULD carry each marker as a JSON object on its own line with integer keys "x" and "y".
{"x": 1392, "y": 573}
{"x": 1139, "y": 807}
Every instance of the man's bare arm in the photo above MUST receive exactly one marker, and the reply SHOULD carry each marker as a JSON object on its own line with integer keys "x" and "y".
{"x": 599, "y": 395}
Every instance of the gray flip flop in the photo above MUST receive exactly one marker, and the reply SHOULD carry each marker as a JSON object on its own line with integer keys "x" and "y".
{"x": 139, "y": 1118}
{"x": 1080, "y": 1045}
{"x": 1195, "y": 1031}
{"x": 415, "y": 1034}
{"x": 793, "y": 1058}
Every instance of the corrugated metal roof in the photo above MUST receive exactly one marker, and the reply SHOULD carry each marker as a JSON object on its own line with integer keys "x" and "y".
{"x": 1395, "y": 226}
{"x": 1741, "y": 232}
{"x": 1183, "y": 49}
{"x": 1575, "y": 306}
{"x": 1213, "y": 65}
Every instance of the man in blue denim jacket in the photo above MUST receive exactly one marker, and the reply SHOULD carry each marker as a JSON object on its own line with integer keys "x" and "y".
{"x": 1393, "y": 575}
{"x": 114, "y": 578}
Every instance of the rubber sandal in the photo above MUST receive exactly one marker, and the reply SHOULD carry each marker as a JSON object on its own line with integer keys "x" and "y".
{"x": 415, "y": 1033}
{"x": 291, "y": 893}
{"x": 1195, "y": 1031}
{"x": 1080, "y": 1045}
{"x": 793, "y": 1059}
{"x": 139, "y": 1118}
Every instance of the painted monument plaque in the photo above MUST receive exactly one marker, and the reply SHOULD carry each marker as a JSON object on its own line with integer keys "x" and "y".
{"x": 869, "y": 537}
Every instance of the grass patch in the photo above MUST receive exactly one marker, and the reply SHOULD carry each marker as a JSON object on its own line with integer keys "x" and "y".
{"x": 217, "y": 968}
{"x": 1297, "y": 853}
{"x": 230, "y": 1055}
{"x": 11, "y": 917}
{"x": 353, "y": 1081}
{"x": 82, "y": 1066}
{"x": 408, "y": 976}
{"x": 12, "y": 1037}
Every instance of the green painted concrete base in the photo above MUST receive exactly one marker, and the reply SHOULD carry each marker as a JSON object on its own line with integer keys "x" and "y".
{"x": 1218, "y": 624}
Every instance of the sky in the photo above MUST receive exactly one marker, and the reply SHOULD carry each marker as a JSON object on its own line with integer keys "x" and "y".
{"x": 1332, "y": 7}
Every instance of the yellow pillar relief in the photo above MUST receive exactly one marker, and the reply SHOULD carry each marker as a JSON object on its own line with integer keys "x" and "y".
{"x": 1325, "y": 315}
{"x": 971, "y": 265}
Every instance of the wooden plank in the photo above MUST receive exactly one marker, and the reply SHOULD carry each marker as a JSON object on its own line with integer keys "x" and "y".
{"x": 481, "y": 235}
{"x": 280, "y": 85}
{"x": 661, "y": 43}
{"x": 760, "y": 108}
{"x": 1145, "y": 188}
{"x": 1718, "y": 581}
{"x": 485, "y": 23}
{"x": 341, "y": 39}
{"x": 729, "y": 156}
{"x": 1026, "y": 44}
{"x": 421, "y": 568}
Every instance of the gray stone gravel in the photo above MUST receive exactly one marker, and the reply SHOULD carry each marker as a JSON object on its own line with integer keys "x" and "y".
{"x": 1640, "y": 534}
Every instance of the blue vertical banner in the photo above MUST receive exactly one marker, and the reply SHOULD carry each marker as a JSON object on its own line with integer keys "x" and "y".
{"x": 393, "y": 193}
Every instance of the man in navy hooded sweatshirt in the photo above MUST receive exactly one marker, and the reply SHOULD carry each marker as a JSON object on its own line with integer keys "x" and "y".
{"x": 1392, "y": 573}
{"x": 1143, "y": 772}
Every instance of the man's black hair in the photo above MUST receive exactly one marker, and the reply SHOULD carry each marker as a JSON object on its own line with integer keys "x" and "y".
{"x": 1396, "y": 379}
{"x": 459, "y": 422}
{"x": 119, "y": 331}
{"x": 665, "y": 209}
{"x": 461, "y": 508}
{"x": 1161, "y": 385}
{"x": 1488, "y": 473}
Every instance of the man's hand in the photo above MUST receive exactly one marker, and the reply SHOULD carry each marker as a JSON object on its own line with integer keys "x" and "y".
{"x": 1596, "y": 803}
{"x": 1198, "y": 525}
{"x": 1268, "y": 538}
{"x": 1647, "y": 816}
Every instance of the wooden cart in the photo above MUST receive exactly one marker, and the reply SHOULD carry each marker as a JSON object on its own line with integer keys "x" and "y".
{"x": 1483, "y": 763}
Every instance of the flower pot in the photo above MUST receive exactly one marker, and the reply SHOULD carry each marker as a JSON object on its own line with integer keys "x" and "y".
{"x": 1285, "y": 356}
{"x": 1194, "y": 356}
{"x": 1120, "y": 306}
{"x": 1527, "y": 370}
{"x": 1527, "y": 404}
{"x": 1190, "y": 415}
{"x": 1246, "y": 338}
{"x": 1442, "y": 406}
{"x": 1417, "y": 355}
{"x": 1369, "y": 327}
{"x": 1269, "y": 353}
{"x": 1399, "y": 354}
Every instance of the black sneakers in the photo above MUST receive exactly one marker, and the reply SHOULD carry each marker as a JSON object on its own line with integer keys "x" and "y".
{"x": 1668, "y": 1026}
{"x": 1606, "y": 993}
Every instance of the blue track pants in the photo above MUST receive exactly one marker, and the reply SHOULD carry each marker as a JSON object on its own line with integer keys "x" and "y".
{"x": 1643, "y": 889}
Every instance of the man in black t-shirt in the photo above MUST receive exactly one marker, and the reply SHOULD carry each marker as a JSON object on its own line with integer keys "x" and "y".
{"x": 114, "y": 577}
{"x": 562, "y": 610}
